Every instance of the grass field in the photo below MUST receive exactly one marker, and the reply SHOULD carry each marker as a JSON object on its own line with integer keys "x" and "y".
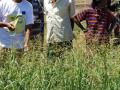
{"x": 74, "y": 71}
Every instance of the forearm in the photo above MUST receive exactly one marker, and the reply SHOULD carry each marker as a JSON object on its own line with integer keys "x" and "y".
{"x": 78, "y": 23}
{"x": 26, "y": 39}
{"x": 72, "y": 23}
{"x": 2, "y": 24}
{"x": 11, "y": 27}
{"x": 80, "y": 26}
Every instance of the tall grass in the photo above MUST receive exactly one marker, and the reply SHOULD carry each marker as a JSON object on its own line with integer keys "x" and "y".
{"x": 74, "y": 71}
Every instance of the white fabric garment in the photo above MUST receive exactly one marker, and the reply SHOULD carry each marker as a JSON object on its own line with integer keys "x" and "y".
{"x": 9, "y": 7}
{"x": 58, "y": 20}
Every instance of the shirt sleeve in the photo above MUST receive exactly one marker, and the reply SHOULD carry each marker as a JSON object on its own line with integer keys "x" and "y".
{"x": 1, "y": 11}
{"x": 72, "y": 7}
{"x": 80, "y": 16}
{"x": 29, "y": 15}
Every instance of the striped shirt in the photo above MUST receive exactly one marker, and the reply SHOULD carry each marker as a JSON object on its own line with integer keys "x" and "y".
{"x": 96, "y": 19}
{"x": 98, "y": 22}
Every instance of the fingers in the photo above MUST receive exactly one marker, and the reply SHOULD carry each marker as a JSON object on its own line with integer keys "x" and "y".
{"x": 11, "y": 27}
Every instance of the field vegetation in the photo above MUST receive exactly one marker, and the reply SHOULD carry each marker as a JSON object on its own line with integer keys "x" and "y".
{"x": 75, "y": 70}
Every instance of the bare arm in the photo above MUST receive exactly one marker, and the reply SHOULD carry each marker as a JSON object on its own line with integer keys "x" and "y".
{"x": 81, "y": 26}
{"x": 3, "y": 24}
{"x": 72, "y": 23}
{"x": 81, "y": 16}
{"x": 27, "y": 35}
{"x": 8, "y": 25}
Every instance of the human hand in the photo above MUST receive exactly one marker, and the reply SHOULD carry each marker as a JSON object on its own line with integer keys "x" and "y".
{"x": 26, "y": 48}
{"x": 10, "y": 26}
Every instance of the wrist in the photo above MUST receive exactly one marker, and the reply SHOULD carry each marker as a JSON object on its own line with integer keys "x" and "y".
{"x": 6, "y": 24}
{"x": 85, "y": 30}
{"x": 26, "y": 45}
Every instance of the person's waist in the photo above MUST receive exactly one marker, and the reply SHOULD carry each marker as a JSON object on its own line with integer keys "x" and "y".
{"x": 38, "y": 21}
{"x": 102, "y": 30}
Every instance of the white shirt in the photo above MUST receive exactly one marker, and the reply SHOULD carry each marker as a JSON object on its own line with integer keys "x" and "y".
{"x": 58, "y": 20}
{"x": 8, "y": 7}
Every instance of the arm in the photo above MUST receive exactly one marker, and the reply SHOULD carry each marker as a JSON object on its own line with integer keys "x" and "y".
{"x": 80, "y": 17}
{"x": 72, "y": 12}
{"x": 81, "y": 26}
{"x": 8, "y": 25}
{"x": 72, "y": 23}
{"x": 27, "y": 35}
{"x": 116, "y": 28}
{"x": 29, "y": 22}
{"x": 113, "y": 22}
{"x": 5, "y": 24}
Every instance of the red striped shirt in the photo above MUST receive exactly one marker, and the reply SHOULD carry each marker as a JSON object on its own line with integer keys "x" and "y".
{"x": 96, "y": 20}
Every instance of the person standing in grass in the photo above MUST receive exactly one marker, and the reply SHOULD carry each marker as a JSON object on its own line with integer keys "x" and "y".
{"x": 38, "y": 26}
{"x": 59, "y": 23}
{"x": 98, "y": 19}
{"x": 115, "y": 8}
{"x": 16, "y": 17}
